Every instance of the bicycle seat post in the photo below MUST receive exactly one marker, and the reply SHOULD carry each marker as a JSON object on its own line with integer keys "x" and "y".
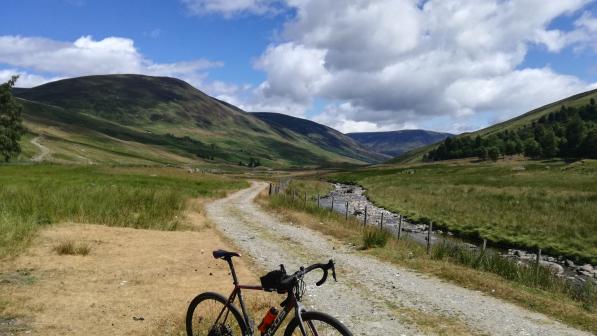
{"x": 232, "y": 271}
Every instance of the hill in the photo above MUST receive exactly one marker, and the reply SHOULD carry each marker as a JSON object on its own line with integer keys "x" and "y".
{"x": 396, "y": 143}
{"x": 136, "y": 119}
{"x": 293, "y": 128}
{"x": 518, "y": 135}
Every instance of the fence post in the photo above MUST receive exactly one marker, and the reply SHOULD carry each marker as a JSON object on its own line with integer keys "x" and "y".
{"x": 270, "y": 189}
{"x": 318, "y": 200}
{"x": 381, "y": 221}
{"x": 399, "y": 226}
{"x": 429, "y": 229}
{"x": 484, "y": 244}
{"x": 537, "y": 262}
{"x": 365, "y": 218}
{"x": 332, "y": 208}
{"x": 305, "y": 199}
{"x": 346, "y": 210}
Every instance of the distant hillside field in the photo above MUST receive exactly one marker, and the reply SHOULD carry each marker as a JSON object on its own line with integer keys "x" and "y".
{"x": 325, "y": 137}
{"x": 398, "y": 142}
{"x": 135, "y": 119}
{"x": 515, "y": 135}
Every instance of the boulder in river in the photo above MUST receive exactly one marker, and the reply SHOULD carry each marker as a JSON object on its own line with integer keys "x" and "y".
{"x": 552, "y": 266}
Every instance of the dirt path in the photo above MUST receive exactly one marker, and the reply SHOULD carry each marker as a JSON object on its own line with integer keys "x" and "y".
{"x": 44, "y": 151}
{"x": 371, "y": 297}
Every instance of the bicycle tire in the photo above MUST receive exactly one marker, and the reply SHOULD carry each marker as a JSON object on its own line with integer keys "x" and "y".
{"x": 215, "y": 298}
{"x": 309, "y": 319}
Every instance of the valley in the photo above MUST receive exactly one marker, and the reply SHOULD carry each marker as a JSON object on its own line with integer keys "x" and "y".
{"x": 298, "y": 168}
{"x": 155, "y": 166}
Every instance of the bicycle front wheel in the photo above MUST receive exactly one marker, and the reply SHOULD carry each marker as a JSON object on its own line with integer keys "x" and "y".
{"x": 317, "y": 324}
{"x": 209, "y": 314}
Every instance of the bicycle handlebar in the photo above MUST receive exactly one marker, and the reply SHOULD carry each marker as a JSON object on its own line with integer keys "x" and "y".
{"x": 288, "y": 280}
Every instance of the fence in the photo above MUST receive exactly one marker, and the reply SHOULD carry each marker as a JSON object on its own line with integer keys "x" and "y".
{"x": 282, "y": 187}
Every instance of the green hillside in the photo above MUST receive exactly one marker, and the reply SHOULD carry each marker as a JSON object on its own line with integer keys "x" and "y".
{"x": 396, "y": 143}
{"x": 515, "y": 135}
{"x": 135, "y": 119}
{"x": 293, "y": 129}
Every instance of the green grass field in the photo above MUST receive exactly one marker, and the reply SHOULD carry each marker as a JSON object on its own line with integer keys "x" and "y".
{"x": 32, "y": 196}
{"x": 528, "y": 204}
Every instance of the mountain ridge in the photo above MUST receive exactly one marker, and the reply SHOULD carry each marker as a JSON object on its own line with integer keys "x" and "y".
{"x": 325, "y": 136}
{"x": 511, "y": 125}
{"x": 395, "y": 143}
{"x": 170, "y": 115}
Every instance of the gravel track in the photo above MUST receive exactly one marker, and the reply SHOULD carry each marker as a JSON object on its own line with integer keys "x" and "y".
{"x": 370, "y": 294}
{"x": 44, "y": 151}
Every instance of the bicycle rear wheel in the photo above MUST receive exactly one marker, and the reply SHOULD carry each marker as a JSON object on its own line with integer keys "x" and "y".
{"x": 209, "y": 314}
{"x": 317, "y": 324}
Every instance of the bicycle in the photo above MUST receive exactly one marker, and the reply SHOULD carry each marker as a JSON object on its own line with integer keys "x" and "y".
{"x": 212, "y": 314}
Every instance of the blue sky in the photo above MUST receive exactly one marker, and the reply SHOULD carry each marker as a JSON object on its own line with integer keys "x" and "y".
{"x": 448, "y": 65}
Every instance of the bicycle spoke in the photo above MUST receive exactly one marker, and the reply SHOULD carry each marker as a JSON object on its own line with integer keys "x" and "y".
{"x": 209, "y": 320}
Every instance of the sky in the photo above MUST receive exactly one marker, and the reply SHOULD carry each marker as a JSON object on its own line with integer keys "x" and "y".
{"x": 354, "y": 65}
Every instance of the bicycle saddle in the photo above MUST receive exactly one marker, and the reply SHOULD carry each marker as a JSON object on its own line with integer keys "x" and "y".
{"x": 221, "y": 254}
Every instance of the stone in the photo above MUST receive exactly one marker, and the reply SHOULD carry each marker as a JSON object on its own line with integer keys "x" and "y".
{"x": 587, "y": 268}
{"x": 552, "y": 266}
{"x": 569, "y": 263}
{"x": 519, "y": 253}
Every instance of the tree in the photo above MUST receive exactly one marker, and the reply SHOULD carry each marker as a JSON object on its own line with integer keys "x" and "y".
{"x": 494, "y": 153}
{"x": 589, "y": 145}
{"x": 482, "y": 153}
{"x": 548, "y": 143}
{"x": 510, "y": 147}
{"x": 11, "y": 121}
{"x": 254, "y": 162}
{"x": 575, "y": 134}
{"x": 532, "y": 148}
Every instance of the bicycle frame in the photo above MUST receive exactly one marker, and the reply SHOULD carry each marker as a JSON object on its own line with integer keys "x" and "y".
{"x": 290, "y": 303}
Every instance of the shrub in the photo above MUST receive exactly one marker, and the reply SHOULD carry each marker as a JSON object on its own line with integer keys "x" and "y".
{"x": 375, "y": 237}
{"x": 70, "y": 248}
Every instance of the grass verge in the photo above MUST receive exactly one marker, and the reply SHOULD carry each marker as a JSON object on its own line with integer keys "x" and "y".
{"x": 571, "y": 305}
{"x": 33, "y": 196}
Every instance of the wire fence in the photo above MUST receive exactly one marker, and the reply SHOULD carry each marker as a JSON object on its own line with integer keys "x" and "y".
{"x": 441, "y": 246}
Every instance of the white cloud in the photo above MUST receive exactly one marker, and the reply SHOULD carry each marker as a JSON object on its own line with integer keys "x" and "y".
{"x": 230, "y": 8}
{"x": 25, "y": 79}
{"x": 294, "y": 72}
{"x": 343, "y": 117}
{"x": 402, "y": 62}
{"x": 586, "y": 33}
{"x": 45, "y": 59}
{"x": 154, "y": 33}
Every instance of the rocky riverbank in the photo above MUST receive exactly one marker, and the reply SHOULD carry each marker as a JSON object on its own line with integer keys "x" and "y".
{"x": 352, "y": 199}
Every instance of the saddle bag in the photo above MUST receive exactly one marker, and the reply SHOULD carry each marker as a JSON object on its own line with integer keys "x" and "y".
{"x": 272, "y": 281}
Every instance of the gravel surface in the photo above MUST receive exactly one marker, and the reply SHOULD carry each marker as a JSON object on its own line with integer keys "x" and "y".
{"x": 369, "y": 294}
